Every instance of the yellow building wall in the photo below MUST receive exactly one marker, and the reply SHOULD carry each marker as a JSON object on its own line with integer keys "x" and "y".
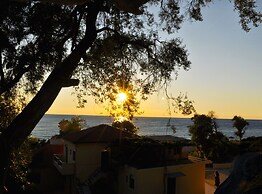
{"x": 88, "y": 159}
{"x": 194, "y": 180}
{"x": 153, "y": 180}
{"x": 150, "y": 181}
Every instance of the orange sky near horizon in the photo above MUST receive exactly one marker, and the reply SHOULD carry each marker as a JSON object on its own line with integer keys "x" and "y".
{"x": 225, "y": 75}
{"x": 156, "y": 106}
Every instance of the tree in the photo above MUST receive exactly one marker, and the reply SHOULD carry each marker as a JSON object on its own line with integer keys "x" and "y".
{"x": 123, "y": 100}
{"x": 126, "y": 125}
{"x": 11, "y": 103}
{"x": 240, "y": 124}
{"x": 201, "y": 130}
{"x": 204, "y": 132}
{"x": 17, "y": 173}
{"x": 92, "y": 42}
{"x": 74, "y": 125}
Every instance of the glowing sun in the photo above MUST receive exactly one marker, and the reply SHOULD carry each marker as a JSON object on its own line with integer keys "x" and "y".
{"x": 121, "y": 97}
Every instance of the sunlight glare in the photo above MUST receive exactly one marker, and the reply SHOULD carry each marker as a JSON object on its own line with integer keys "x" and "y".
{"x": 121, "y": 97}
{"x": 121, "y": 119}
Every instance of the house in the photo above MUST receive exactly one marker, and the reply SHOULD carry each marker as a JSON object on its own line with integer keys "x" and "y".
{"x": 83, "y": 152}
{"x": 120, "y": 162}
{"x": 170, "y": 179}
{"x": 43, "y": 173}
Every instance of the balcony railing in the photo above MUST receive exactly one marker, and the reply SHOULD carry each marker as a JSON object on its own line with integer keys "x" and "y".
{"x": 63, "y": 167}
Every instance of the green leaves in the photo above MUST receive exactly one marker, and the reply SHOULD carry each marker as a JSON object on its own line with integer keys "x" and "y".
{"x": 74, "y": 125}
{"x": 19, "y": 167}
{"x": 11, "y": 103}
{"x": 126, "y": 126}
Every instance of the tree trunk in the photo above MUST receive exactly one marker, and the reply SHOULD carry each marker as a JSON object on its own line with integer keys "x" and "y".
{"x": 4, "y": 159}
{"x": 22, "y": 126}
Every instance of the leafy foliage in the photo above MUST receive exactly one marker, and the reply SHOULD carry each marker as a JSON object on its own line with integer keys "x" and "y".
{"x": 74, "y": 125}
{"x": 251, "y": 144}
{"x": 204, "y": 132}
{"x": 182, "y": 104}
{"x": 35, "y": 37}
{"x": 240, "y": 124}
{"x": 130, "y": 62}
{"x": 145, "y": 152}
{"x": 201, "y": 130}
{"x": 99, "y": 42}
{"x": 248, "y": 13}
{"x": 129, "y": 106}
{"x": 33, "y": 43}
{"x": 10, "y": 105}
{"x": 19, "y": 168}
{"x": 126, "y": 125}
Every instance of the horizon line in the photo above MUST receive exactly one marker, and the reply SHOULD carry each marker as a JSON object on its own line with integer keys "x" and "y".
{"x": 145, "y": 116}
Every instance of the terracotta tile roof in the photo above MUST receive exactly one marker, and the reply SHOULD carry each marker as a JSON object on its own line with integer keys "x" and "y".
{"x": 98, "y": 134}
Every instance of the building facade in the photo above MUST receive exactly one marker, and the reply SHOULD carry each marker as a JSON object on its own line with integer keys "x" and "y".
{"x": 136, "y": 166}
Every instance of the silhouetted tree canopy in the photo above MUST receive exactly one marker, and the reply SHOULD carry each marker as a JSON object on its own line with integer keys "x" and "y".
{"x": 205, "y": 134}
{"x": 240, "y": 124}
{"x": 47, "y": 46}
{"x": 201, "y": 130}
{"x": 75, "y": 124}
{"x": 126, "y": 125}
{"x": 36, "y": 37}
{"x": 10, "y": 105}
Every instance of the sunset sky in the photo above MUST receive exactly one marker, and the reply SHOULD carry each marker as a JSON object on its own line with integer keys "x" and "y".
{"x": 225, "y": 74}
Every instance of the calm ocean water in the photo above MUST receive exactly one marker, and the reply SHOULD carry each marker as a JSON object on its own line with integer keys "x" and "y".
{"x": 48, "y": 126}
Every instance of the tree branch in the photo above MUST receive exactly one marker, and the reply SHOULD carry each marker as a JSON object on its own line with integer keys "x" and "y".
{"x": 4, "y": 87}
{"x": 24, "y": 123}
{"x": 2, "y": 76}
{"x": 106, "y": 29}
{"x": 70, "y": 82}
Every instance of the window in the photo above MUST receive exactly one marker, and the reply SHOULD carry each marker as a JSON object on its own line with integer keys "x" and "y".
{"x": 74, "y": 155}
{"x": 66, "y": 153}
{"x": 131, "y": 182}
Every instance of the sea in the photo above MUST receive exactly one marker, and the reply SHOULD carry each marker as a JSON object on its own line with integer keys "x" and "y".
{"x": 48, "y": 126}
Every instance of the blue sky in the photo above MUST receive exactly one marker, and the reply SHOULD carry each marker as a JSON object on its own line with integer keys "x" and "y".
{"x": 225, "y": 74}
{"x": 226, "y": 64}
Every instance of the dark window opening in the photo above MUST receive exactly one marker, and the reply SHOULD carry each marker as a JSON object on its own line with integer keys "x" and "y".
{"x": 171, "y": 185}
{"x": 131, "y": 182}
{"x": 74, "y": 155}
